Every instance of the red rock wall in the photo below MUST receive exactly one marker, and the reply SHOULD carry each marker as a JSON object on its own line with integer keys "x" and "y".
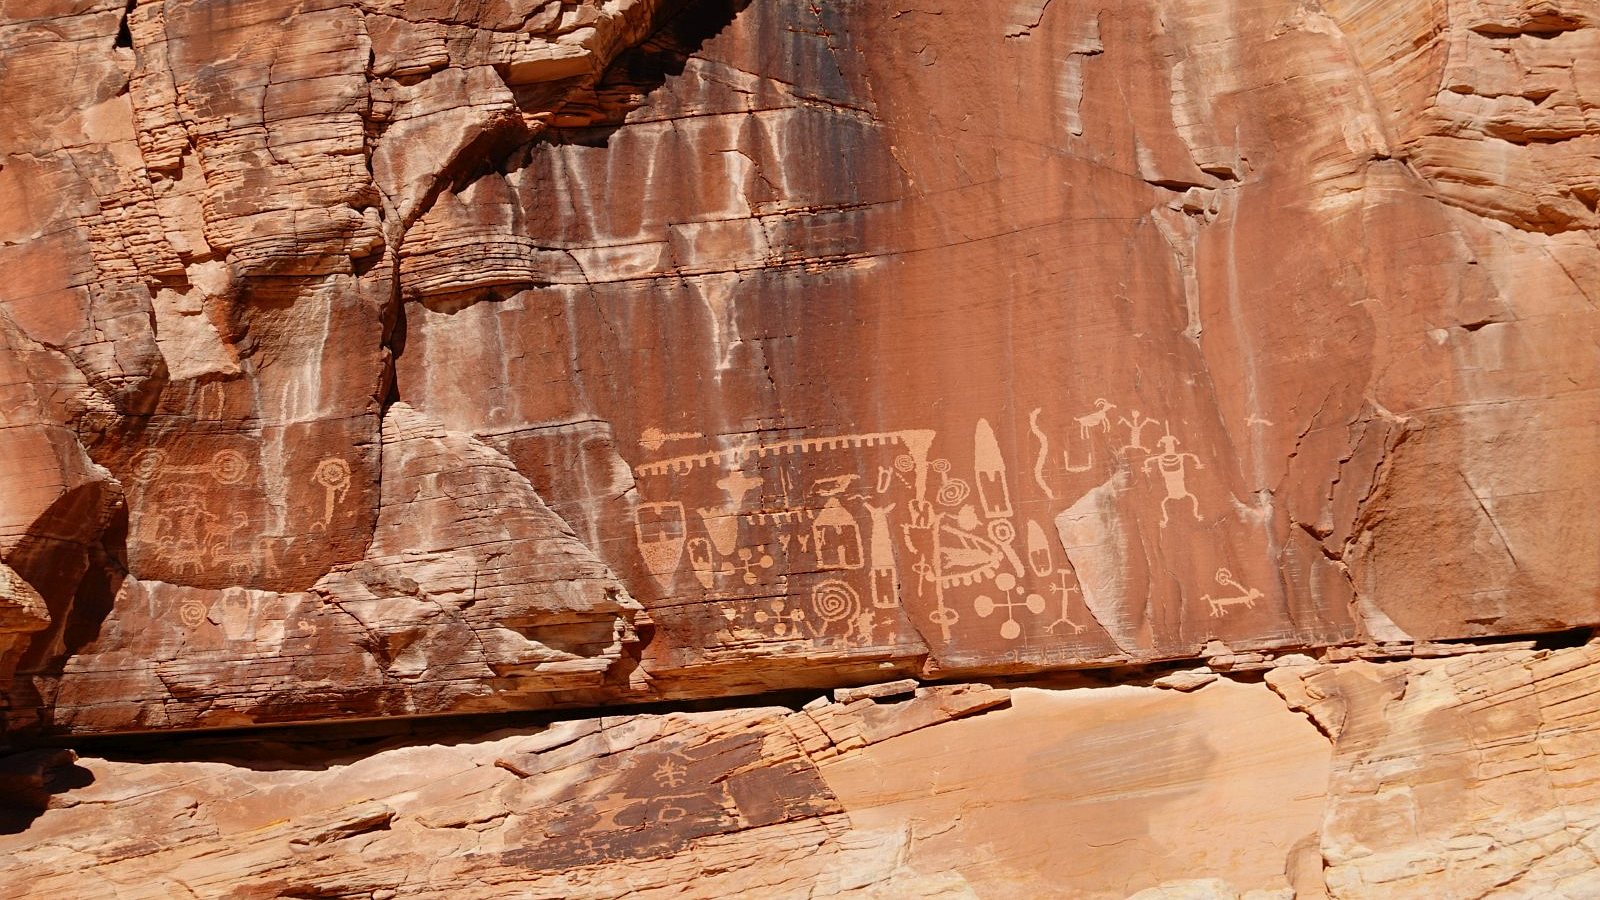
{"x": 387, "y": 360}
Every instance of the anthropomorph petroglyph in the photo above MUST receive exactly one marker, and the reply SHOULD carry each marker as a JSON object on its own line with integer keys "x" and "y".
{"x": 1064, "y": 589}
{"x": 837, "y": 537}
{"x": 1173, "y": 467}
{"x": 885, "y": 575}
{"x": 1136, "y": 423}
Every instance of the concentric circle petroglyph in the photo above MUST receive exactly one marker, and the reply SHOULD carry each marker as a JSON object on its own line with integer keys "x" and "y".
{"x": 147, "y": 464}
{"x": 835, "y": 601}
{"x": 229, "y": 466}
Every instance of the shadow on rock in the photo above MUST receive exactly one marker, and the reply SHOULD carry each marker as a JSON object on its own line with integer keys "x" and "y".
{"x": 28, "y": 780}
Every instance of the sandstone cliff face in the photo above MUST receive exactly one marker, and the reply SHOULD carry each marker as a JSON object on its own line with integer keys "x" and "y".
{"x": 819, "y": 344}
{"x": 372, "y": 360}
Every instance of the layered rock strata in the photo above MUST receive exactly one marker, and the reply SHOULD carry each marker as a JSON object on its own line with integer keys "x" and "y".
{"x": 1468, "y": 775}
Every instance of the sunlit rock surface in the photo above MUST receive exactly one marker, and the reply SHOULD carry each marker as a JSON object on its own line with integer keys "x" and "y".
{"x": 376, "y": 360}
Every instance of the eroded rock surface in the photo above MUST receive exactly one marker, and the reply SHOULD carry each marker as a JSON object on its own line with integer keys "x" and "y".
{"x": 374, "y": 360}
{"x": 829, "y": 352}
{"x": 1470, "y": 775}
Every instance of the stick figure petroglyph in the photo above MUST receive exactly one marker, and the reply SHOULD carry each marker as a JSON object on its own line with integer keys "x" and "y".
{"x": 1136, "y": 426}
{"x": 1065, "y": 592}
{"x": 670, "y": 773}
{"x": 1246, "y": 597}
{"x": 1173, "y": 471}
{"x": 1100, "y": 418}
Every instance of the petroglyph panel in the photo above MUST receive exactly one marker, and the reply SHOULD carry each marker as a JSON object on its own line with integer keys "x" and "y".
{"x": 975, "y": 543}
{"x": 244, "y": 515}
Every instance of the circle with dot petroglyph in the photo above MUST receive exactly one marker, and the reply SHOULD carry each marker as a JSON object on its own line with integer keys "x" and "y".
{"x": 229, "y": 466}
{"x": 147, "y": 464}
{"x": 835, "y": 601}
{"x": 333, "y": 472}
{"x": 1002, "y": 531}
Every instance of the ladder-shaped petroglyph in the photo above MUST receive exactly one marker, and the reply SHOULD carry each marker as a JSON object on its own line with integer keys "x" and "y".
{"x": 917, "y": 441}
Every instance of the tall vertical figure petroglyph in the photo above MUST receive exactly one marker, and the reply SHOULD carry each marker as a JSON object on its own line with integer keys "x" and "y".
{"x": 885, "y": 574}
{"x": 660, "y": 531}
{"x": 990, "y": 468}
